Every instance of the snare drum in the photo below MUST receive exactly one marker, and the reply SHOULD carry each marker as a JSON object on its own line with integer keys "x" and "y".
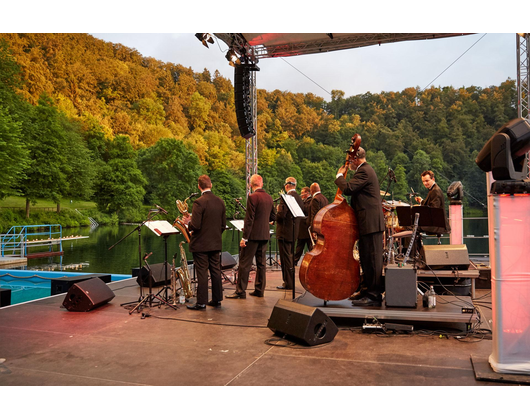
{"x": 392, "y": 222}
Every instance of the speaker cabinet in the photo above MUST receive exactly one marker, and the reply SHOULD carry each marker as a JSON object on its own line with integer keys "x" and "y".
{"x": 227, "y": 261}
{"x": 242, "y": 101}
{"x": 5, "y": 297}
{"x": 158, "y": 274}
{"x": 87, "y": 295}
{"x": 400, "y": 286}
{"x": 440, "y": 257}
{"x": 309, "y": 325}
{"x": 63, "y": 284}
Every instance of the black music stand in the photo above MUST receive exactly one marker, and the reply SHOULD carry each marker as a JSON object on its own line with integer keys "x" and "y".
{"x": 429, "y": 218}
{"x": 160, "y": 228}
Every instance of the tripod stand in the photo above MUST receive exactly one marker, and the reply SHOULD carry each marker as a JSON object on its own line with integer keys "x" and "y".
{"x": 142, "y": 300}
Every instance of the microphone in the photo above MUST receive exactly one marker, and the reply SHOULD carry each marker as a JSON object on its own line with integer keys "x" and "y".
{"x": 237, "y": 199}
{"x": 147, "y": 256}
{"x": 160, "y": 209}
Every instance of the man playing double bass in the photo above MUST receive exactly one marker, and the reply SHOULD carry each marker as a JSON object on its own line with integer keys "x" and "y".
{"x": 364, "y": 190}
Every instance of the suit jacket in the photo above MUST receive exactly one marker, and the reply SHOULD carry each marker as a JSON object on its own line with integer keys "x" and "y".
{"x": 435, "y": 198}
{"x": 365, "y": 194}
{"x": 208, "y": 221}
{"x": 317, "y": 202}
{"x": 260, "y": 211}
{"x": 303, "y": 233}
{"x": 284, "y": 220}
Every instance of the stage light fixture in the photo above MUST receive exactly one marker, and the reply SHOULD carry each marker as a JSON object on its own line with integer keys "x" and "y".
{"x": 204, "y": 38}
{"x": 504, "y": 154}
{"x": 232, "y": 58}
{"x": 455, "y": 191}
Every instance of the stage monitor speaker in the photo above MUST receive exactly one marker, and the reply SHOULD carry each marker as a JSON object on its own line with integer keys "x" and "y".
{"x": 309, "y": 325}
{"x": 227, "y": 261}
{"x": 63, "y": 284}
{"x": 87, "y": 295}
{"x": 157, "y": 272}
{"x": 400, "y": 286}
{"x": 445, "y": 257}
{"x": 5, "y": 297}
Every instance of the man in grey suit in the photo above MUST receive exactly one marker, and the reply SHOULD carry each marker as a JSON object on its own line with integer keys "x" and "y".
{"x": 364, "y": 190}
{"x": 206, "y": 224}
{"x": 256, "y": 234}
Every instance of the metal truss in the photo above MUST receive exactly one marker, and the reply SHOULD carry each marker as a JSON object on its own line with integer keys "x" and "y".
{"x": 523, "y": 76}
{"x": 251, "y": 144}
{"x": 340, "y": 42}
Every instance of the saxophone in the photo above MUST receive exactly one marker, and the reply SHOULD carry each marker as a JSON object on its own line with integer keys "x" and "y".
{"x": 184, "y": 273}
{"x": 179, "y": 224}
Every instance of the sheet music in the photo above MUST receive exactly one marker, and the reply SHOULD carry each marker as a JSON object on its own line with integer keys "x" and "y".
{"x": 161, "y": 227}
{"x": 295, "y": 209}
{"x": 238, "y": 224}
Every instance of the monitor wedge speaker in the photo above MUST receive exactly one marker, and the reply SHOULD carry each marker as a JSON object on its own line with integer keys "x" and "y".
{"x": 445, "y": 257}
{"x": 309, "y": 325}
{"x": 87, "y": 295}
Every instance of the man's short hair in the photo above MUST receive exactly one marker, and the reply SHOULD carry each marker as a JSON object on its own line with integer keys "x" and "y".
{"x": 256, "y": 181}
{"x": 205, "y": 182}
{"x": 290, "y": 181}
{"x": 430, "y": 173}
{"x": 305, "y": 190}
{"x": 314, "y": 188}
{"x": 361, "y": 153}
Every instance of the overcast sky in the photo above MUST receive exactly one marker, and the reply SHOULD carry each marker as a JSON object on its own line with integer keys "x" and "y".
{"x": 389, "y": 67}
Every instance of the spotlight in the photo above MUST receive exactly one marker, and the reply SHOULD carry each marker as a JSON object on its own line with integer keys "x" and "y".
{"x": 232, "y": 58}
{"x": 204, "y": 38}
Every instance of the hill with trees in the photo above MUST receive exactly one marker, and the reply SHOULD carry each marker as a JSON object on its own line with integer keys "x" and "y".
{"x": 87, "y": 119}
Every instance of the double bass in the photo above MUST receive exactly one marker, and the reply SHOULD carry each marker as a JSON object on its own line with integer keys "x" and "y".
{"x": 331, "y": 270}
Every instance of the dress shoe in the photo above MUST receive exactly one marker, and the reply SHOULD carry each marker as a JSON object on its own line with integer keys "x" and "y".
{"x": 236, "y": 296}
{"x": 284, "y": 287}
{"x": 366, "y": 301}
{"x": 358, "y": 294}
{"x": 254, "y": 293}
{"x": 214, "y": 303}
{"x": 197, "y": 306}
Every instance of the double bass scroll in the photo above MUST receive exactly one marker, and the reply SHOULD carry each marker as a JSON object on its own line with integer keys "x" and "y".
{"x": 331, "y": 271}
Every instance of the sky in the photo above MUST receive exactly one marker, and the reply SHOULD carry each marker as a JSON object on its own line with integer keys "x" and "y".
{"x": 481, "y": 59}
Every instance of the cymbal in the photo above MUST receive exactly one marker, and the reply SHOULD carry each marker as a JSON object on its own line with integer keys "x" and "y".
{"x": 396, "y": 203}
{"x": 383, "y": 193}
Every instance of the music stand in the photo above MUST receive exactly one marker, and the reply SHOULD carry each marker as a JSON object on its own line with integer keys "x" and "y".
{"x": 296, "y": 212}
{"x": 429, "y": 218}
{"x": 160, "y": 228}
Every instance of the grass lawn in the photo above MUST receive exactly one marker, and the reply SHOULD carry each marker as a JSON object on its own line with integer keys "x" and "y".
{"x": 65, "y": 204}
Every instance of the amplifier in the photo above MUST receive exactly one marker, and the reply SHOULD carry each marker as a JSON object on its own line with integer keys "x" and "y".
{"x": 445, "y": 257}
{"x": 63, "y": 284}
{"x": 400, "y": 286}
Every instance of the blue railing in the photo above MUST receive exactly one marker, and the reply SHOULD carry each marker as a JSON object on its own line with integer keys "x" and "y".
{"x": 18, "y": 238}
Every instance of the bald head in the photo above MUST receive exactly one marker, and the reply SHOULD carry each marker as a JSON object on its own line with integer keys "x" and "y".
{"x": 314, "y": 188}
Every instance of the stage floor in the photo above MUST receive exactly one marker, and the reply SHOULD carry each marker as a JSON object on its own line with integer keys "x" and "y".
{"x": 43, "y": 344}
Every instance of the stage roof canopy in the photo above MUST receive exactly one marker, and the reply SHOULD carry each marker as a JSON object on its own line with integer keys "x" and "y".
{"x": 285, "y": 45}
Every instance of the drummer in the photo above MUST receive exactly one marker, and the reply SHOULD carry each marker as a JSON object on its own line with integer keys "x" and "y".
{"x": 435, "y": 198}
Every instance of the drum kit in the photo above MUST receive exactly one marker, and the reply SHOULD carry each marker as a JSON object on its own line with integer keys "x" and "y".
{"x": 393, "y": 230}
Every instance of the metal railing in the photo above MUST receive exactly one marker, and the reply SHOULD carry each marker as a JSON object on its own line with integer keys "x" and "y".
{"x": 18, "y": 239}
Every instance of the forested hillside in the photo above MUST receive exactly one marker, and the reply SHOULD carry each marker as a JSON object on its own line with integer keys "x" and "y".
{"x": 83, "y": 118}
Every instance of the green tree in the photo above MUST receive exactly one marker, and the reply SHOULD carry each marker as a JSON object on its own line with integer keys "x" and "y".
{"x": 171, "y": 171}
{"x": 120, "y": 184}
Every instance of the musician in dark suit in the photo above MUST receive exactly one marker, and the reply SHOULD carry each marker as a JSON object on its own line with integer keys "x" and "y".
{"x": 207, "y": 223}
{"x": 286, "y": 234}
{"x": 303, "y": 232}
{"x": 435, "y": 198}
{"x": 256, "y": 234}
{"x": 364, "y": 190}
{"x": 317, "y": 202}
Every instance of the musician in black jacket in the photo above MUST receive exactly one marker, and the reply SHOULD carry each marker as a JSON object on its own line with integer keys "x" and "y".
{"x": 364, "y": 190}
{"x": 303, "y": 232}
{"x": 318, "y": 200}
{"x": 207, "y": 223}
{"x": 435, "y": 198}
{"x": 286, "y": 234}
{"x": 256, "y": 234}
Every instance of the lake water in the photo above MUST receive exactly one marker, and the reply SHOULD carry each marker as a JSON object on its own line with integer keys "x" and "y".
{"x": 92, "y": 255}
